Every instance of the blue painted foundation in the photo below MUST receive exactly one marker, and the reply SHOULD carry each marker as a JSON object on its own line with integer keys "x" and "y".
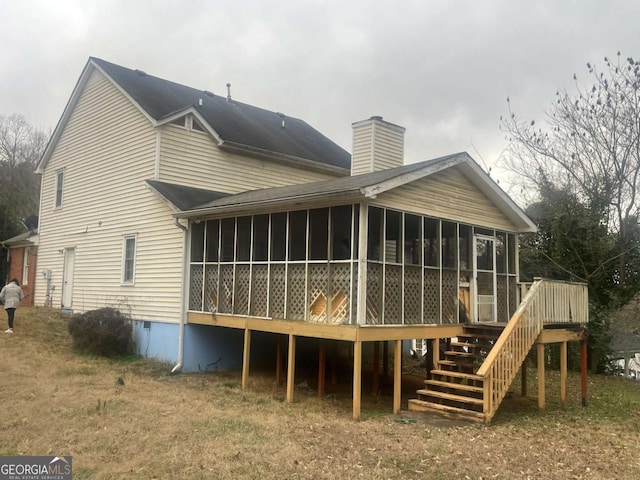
{"x": 212, "y": 349}
{"x": 205, "y": 348}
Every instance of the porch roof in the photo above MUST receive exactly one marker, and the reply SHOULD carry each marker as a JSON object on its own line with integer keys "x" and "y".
{"x": 181, "y": 197}
{"x": 361, "y": 187}
{"x": 25, "y": 239}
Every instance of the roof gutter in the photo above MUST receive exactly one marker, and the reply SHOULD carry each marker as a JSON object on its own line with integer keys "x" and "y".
{"x": 183, "y": 308}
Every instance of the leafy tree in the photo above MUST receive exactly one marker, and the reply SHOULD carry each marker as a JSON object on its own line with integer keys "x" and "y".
{"x": 584, "y": 164}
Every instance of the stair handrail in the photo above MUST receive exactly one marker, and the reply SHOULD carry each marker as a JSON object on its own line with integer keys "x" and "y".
{"x": 512, "y": 346}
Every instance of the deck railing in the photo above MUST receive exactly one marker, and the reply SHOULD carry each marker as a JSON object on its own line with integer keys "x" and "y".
{"x": 546, "y": 302}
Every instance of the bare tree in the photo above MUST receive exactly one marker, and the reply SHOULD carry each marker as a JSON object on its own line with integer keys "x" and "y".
{"x": 21, "y": 146}
{"x": 589, "y": 146}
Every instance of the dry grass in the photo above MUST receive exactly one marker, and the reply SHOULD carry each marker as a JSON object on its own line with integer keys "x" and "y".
{"x": 199, "y": 426}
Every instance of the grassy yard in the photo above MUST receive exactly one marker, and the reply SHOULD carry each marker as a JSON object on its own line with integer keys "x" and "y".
{"x": 128, "y": 418}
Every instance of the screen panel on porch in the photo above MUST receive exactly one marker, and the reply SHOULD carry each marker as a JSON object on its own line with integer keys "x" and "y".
{"x": 298, "y": 265}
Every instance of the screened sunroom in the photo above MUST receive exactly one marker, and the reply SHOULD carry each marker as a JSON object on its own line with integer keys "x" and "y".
{"x": 303, "y": 265}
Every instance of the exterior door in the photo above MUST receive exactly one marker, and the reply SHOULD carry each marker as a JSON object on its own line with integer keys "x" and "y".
{"x": 484, "y": 266}
{"x": 67, "y": 277}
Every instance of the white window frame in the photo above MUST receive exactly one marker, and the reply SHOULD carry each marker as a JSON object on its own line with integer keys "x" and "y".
{"x": 25, "y": 266}
{"x": 57, "y": 201}
{"x": 125, "y": 239}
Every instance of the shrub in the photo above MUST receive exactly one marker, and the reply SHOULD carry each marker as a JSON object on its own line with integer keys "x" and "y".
{"x": 105, "y": 332}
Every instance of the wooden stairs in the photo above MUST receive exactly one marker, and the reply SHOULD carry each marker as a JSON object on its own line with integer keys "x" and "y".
{"x": 474, "y": 374}
{"x": 454, "y": 389}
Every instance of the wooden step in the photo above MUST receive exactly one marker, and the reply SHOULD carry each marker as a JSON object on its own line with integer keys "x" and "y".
{"x": 478, "y": 336}
{"x": 452, "y": 397}
{"x": 453, "y": 386}
{"x": 466, "y": 376}
{"x": 416, "y": 405}
{"x": 464, "y": 345}
{"x": 453, "y": 353}
{"x": 456, "y": 366}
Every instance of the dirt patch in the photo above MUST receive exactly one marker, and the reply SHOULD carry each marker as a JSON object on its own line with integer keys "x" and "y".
{"x": 130, "y": 419}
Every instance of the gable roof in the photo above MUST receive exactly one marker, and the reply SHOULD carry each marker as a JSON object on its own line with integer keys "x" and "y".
{"x": 360, "y": 187}
{"x": 25, "y": 239}
{"x": 182, "y": 197}
{"x": 236, "y": 126}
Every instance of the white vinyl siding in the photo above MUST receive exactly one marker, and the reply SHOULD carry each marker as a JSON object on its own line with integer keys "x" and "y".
{"x": 107, "y": 150}
{"x": 362, "y": 151}
{"x": 377, "y": 145}
{"x": 192, "y": 158}
{"x": 449, "y": 195}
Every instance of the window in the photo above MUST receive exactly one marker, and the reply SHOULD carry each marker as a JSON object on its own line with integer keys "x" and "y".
{"x": 318, "y": 234}
{"x": 195, "y": 125}
{"x": 431, "y": 242}
{"x": 448, "y": 245}
{"x": 129, "y": 259}
{"x": 25, "y": 266}
{"x": 197, "y": 241}
{"x": 212, "y": 240}
{"x": 298, "y": 235}
{"x": 341, "y": 232}
{"x": 393, "y": 237}
{"x": 59, "y": 185}
{"x": 412, "y": 240}
{"x": 243, "y": 239}
{"x": 278, "y": 236}
{"x": 260, "y": 238}
{"x": 374, "y": 240}
{"x": 181, "y": 122}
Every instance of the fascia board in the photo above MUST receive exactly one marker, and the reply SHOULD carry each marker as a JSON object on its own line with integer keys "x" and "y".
{"x": 241, "y": 208}
{"x": 64, "y": 118}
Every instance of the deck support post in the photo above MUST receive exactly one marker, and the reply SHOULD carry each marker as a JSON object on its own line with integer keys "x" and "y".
{"x": 291, "y": 368}
{"x": 397, "y": 376}
{"x": 523, "y": 377}
{"x": 375, "y": 380}
{"x": 246, "y": 355}
{"x": 583, "y": 371}
{"x": 385, "y": 359}
{"x": 279, "y": 360}
{"x": 357, "y": 378}
{"x": 322, "y": 361}
{"x": 436, "y": 353}
{"x": 334, "y": 360}
{"x": 540, "y": 376}
{"x": 563, "y": 373}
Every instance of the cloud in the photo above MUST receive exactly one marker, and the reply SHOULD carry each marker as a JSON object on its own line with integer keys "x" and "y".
{"x": 441, "y": 69}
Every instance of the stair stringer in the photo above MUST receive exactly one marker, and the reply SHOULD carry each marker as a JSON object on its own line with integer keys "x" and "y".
{"x": 511, "y": 349}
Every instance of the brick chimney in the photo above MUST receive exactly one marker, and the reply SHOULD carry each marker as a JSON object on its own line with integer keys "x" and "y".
{"x": 377, "y": 145}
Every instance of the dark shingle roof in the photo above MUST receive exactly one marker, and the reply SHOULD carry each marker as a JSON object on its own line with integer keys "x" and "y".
{"x": 236, "y": 123}
{"x": 342, "y": 185}
{"x": 183, "y": 197}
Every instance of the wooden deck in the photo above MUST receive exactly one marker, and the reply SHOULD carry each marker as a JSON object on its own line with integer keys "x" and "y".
{"x": 552, "y": 312}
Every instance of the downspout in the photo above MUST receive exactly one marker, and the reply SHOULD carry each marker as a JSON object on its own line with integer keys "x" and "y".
{"x": 183, "y": 314}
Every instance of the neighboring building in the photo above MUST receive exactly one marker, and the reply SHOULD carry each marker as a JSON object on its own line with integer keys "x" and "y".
{"x": 22, "y": 251}
{"x": 191, "y": 211}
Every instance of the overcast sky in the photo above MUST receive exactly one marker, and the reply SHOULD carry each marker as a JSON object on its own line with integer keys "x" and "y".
{"x": 442, "y": 69}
